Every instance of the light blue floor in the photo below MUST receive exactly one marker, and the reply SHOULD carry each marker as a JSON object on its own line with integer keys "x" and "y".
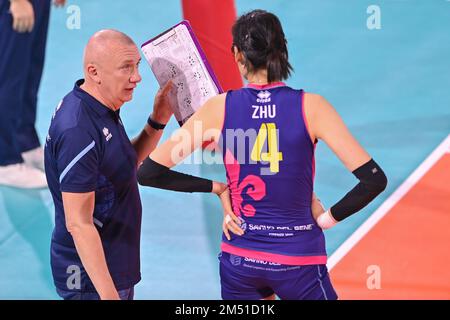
{"x": 391, "y": 87}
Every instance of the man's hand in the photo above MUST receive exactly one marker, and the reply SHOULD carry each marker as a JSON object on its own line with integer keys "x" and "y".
{"x": 23, "y": 15}
{"x": 316, "y": 207}
{"x": 162, "y": 110}
{"x": 230, "y": 221}
{"x": 147, "y": 140}
{"x": 114, "y": 295}
{"x": 59, "y": 3}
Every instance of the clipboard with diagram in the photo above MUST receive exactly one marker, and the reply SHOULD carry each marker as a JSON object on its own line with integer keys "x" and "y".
{"x": 176, "y": 55}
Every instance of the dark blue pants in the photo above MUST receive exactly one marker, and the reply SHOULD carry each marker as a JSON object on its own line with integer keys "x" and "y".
{"x": 126, "y": 294}
{"x": 21, "y": 64}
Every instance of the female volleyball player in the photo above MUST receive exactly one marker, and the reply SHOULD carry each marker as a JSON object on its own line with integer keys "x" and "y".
{"x": 267, "y": 132}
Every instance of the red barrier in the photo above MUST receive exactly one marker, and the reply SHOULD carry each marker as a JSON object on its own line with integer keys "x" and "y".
{"x": 212, "y": 22}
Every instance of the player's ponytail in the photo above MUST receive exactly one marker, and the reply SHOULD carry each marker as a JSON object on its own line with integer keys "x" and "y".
{"x": 278, "y": 66}
{"x": 260, "y": 37}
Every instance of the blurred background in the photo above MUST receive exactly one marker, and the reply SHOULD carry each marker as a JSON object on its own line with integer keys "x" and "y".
{"x": 390, "y": 81}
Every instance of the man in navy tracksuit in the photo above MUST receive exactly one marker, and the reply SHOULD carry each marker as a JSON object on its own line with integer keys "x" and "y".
{"x": 23, "y": 34}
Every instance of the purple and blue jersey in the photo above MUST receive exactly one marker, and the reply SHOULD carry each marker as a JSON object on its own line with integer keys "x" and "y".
{"x": 269, "y": 160}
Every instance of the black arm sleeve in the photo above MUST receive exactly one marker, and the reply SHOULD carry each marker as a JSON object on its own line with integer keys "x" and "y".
{"x": 372, "y": 181}
{"x": 155, "y": 175}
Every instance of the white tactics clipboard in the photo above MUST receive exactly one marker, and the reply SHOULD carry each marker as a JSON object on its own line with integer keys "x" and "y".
{"x": 176, "y": 54}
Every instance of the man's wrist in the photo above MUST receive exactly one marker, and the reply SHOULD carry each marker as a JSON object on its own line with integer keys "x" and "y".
{"x": 160, "y": 117}
{"x": 155, "y": 124}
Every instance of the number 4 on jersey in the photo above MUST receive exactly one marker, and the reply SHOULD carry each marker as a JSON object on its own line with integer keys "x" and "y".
{"x": 268, "y": 131}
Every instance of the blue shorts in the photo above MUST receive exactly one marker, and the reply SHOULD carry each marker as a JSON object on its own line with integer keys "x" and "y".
{"x": 249, "y": 279}
{"x": 126, "y": 294}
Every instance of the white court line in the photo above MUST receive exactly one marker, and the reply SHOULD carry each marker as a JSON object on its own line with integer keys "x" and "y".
{"x": 348, "y": 244}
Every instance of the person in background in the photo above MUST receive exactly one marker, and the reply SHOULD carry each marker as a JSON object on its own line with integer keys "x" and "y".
{"x": 23, "y": 35}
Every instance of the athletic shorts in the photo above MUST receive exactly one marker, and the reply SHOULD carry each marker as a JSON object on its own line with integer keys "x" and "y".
{"x": 244, "y": 278}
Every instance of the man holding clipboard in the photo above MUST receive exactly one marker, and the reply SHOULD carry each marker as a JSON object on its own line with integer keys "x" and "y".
{"x": 91, "y": 172}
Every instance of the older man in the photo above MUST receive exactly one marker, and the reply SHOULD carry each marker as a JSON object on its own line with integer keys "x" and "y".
{"x": 91, "y": 165}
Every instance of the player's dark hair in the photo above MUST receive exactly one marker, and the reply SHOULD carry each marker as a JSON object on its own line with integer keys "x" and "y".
{"x": 259, "y": 36}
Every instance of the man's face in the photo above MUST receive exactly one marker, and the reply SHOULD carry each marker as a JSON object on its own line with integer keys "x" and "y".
{"x": 119, "y": 73}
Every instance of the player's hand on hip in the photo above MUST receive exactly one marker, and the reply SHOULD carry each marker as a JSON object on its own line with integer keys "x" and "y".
{"x": 23, "y": 15}
{"x": 230, "y": 221}
{"x": 162, "y": 111}
{"x": 323, "y": 217}
{"x": 317, "y": 207}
